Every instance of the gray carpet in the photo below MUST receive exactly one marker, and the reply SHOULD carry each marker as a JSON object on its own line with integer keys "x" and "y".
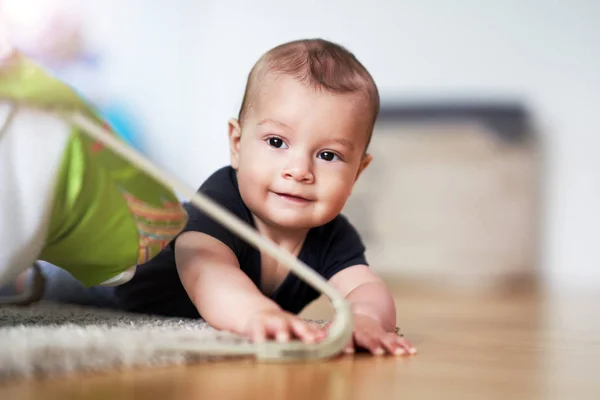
{"x": 50, "y": 339}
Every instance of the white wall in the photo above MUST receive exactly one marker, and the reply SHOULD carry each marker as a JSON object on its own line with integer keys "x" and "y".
{"x": 548, "y": 54}
{"x": 160, "y": 78}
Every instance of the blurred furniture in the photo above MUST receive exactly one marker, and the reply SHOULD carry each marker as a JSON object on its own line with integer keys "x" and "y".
{"x": 451, "y": 196}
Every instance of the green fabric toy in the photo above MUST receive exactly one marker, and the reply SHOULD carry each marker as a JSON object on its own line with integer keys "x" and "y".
{"x": 63, "y": 197}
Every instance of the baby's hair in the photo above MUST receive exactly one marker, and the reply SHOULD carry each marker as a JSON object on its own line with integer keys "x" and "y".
{"x": 318, "y": 63}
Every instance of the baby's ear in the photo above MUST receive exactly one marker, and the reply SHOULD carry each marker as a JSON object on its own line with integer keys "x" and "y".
{"x": 364, "y": 163}
{"x": 235, "y": 134}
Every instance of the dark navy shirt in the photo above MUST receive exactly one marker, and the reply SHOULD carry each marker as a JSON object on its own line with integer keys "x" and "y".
{"x": 157, "y": 289}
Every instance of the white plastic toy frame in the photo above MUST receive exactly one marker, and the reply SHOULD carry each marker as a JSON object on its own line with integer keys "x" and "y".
{"x": 340, "y": 331}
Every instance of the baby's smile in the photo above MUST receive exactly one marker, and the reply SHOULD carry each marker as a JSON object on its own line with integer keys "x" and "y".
{"x": 294, "y": 198}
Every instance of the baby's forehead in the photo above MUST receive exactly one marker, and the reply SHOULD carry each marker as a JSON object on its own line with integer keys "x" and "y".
{"x": 272, "y": 83}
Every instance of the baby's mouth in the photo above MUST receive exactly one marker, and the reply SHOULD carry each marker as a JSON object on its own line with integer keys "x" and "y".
{"x": 293, "y": 197}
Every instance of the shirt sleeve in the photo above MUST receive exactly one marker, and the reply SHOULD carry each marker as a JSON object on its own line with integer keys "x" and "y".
{"x": 199, "y": 221}
{"x": 343, "y": 248}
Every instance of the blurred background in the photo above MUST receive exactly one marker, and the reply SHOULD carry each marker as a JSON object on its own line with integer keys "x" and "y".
{"x": 486, "y": 152}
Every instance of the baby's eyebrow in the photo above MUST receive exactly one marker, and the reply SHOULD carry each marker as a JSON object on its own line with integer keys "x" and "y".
{"x": 344, "y": 142}
{"x": 273, "y": 121}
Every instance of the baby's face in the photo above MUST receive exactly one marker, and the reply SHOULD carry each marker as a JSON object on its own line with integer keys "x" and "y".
{"x": 300, "y": 153}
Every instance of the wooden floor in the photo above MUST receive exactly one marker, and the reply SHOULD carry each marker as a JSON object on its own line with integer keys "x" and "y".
{"x": 470, "y": 346}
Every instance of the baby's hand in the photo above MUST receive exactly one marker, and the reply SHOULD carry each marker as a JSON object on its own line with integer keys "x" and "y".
{"x": 282, "y": 326}
{"x": 370, "y": 335}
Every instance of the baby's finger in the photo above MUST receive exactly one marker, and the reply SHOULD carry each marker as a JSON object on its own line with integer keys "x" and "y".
{"x": 278, "y": 328}
{"x": 406, "y": 344}
{"x": 306, "y": 332}
{"x": 391, "y": 344}
{"x": 349, "y": 349}
{"x": 369, "y": 342}
{"x": 319, "y": 331}
{"x": 258, "y": 332}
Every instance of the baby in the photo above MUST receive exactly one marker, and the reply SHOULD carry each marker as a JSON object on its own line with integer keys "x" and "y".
{"x": 296, "y": 150}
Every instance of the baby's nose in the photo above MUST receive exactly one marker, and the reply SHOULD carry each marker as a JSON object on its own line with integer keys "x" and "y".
{"x": 299, "y": 169}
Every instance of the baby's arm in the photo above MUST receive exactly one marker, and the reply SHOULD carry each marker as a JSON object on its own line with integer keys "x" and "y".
{"x": 374, "y": 311}
{"x": 226, "y": 298}
{"x": 368, "y": 295}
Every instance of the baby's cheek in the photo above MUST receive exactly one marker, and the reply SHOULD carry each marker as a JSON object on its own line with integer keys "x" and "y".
{"x": 335, "y": 194}
{"x": 252, "y": 172}
{"x": 250, "y": 185}
{"x": 261, "y": 168}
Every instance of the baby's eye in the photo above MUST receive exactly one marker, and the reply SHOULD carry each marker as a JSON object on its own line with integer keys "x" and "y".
{"x": 276, "y": 142}
{"x": 328, "y": 156}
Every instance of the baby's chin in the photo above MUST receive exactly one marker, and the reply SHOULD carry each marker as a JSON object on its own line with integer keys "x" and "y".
{"x": 291, "y": 221}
